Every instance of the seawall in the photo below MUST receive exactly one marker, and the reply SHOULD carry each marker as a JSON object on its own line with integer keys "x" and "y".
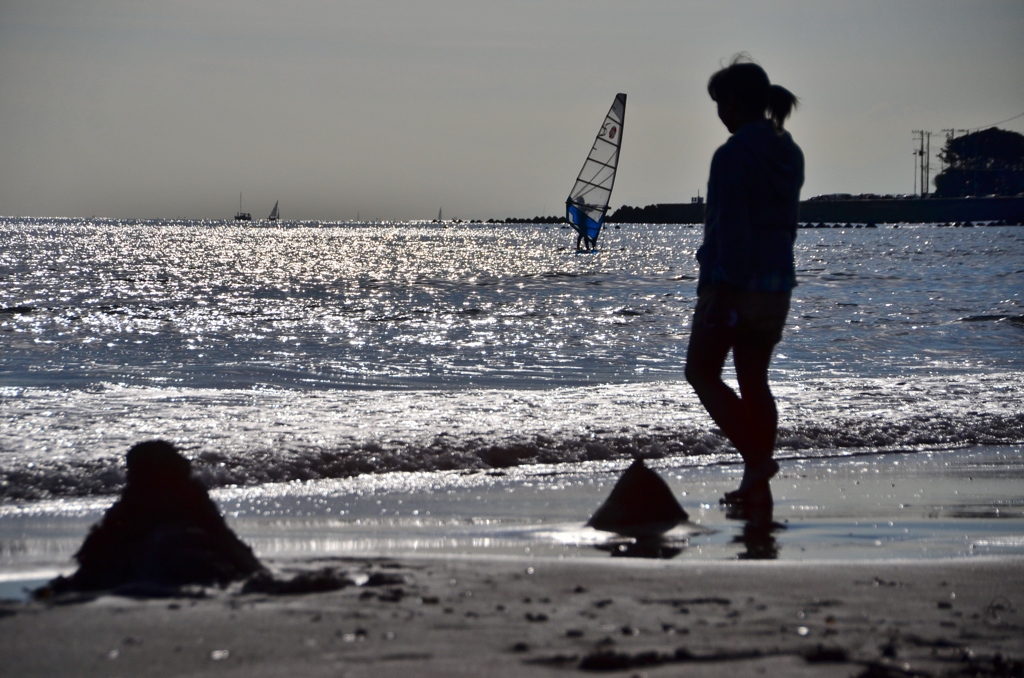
{"x": 877, "y": 211}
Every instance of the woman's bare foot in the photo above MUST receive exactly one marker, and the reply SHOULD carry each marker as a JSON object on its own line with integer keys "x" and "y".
{"x": 755, "y": 483}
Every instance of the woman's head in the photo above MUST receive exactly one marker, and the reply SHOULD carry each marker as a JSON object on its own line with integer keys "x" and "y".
{"x": 743, "y": 90}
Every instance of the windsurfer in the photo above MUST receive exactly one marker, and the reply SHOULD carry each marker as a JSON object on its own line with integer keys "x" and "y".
{"x": 587, "y": 203}
{"x": 746, "y": 267}
{"x": 581, "y": 227}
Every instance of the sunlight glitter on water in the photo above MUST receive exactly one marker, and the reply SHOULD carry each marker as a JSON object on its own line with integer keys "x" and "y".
{"x": 419, "y": 305}
{"x": 324, "y": 350}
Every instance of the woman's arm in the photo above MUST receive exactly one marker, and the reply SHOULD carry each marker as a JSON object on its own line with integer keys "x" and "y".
{"x": 733, "y": 234}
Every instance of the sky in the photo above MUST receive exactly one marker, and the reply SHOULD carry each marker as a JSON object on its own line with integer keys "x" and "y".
{"x": 394, "y": 109}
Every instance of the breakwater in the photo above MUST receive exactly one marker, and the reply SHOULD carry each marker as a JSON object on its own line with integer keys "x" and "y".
{"x": 857, "y": 211}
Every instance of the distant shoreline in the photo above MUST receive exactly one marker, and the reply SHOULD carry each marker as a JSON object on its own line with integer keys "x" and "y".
{"x": 835, "y": 210}
{"x": 873, "y": 210}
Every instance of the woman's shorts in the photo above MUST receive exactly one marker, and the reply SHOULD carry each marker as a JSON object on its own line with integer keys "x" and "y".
{"x": 759, "y": 316}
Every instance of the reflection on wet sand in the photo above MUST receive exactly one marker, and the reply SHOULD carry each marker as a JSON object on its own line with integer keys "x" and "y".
{"x": 758, "y": 532}
{"x": 650, "y": 547}
{"x": 757, "y": 535}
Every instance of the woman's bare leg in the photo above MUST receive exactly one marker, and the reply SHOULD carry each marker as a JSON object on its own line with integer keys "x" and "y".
{"x": 762, "y": 419}
{"x": 748, "y": 420}
{"x": 705, "y": 358}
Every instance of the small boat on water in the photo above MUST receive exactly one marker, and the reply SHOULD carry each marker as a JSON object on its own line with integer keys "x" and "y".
{"x": 240, "y": 215}
{"x": 274, "y": 215}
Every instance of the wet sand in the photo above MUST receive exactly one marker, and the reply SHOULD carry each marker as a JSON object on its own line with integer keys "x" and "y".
{"x": 884, "y": 565}
{"x": 473, "y": 616}
{"x": 949, "y": 504}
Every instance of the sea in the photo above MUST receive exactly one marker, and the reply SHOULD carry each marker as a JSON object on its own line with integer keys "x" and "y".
{"x": 299, "y": 363}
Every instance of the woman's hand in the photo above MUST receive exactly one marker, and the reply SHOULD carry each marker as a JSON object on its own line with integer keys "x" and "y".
{"x": 721, "y": 312}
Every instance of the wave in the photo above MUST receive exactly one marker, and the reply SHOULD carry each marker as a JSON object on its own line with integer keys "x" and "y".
{"x": 1017, "y": 320}
{"x": 251, "y": 438}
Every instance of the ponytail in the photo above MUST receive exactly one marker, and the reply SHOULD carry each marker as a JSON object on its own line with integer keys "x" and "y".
{"x": 781, "y": 102}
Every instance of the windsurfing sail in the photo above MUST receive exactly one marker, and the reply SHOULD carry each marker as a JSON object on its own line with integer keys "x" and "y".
{"x": 273, "y": 212}
{"x": 588, "y": 201}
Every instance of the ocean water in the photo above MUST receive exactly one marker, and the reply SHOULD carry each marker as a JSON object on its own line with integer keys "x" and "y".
{"x": 312, "y": 351}
{"x": 395, "y": 388}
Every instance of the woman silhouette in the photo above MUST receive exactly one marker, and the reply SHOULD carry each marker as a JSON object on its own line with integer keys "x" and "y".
{"x": 746, "y": 266}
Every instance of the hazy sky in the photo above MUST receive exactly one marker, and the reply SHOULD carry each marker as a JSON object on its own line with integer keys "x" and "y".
{"x": 394, "y": 108}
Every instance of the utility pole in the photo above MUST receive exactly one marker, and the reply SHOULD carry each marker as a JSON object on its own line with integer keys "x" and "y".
{"x": 928, "y": 163}
{"x": 923, "y": 154}
{"x": 914, "y": 154}
{"x": 919, "y": 169}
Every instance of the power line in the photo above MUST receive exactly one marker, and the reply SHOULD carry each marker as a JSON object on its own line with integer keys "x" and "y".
{"x": 1019, "y": 115}
{"x": 922, "y": 162}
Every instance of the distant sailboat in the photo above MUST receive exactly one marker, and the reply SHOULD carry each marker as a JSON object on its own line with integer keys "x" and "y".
{"x": 242, "y": 216}
{"x": 587, "y": 204}
{"x": 273, "y": 213}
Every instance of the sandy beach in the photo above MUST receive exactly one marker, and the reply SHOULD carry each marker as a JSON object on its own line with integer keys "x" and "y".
{"x": 512, "y": 617}
{"x": 898, "y": 565}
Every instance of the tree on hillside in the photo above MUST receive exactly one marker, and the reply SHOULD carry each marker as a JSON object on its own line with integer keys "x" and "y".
{"x": 989, "y": 162}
